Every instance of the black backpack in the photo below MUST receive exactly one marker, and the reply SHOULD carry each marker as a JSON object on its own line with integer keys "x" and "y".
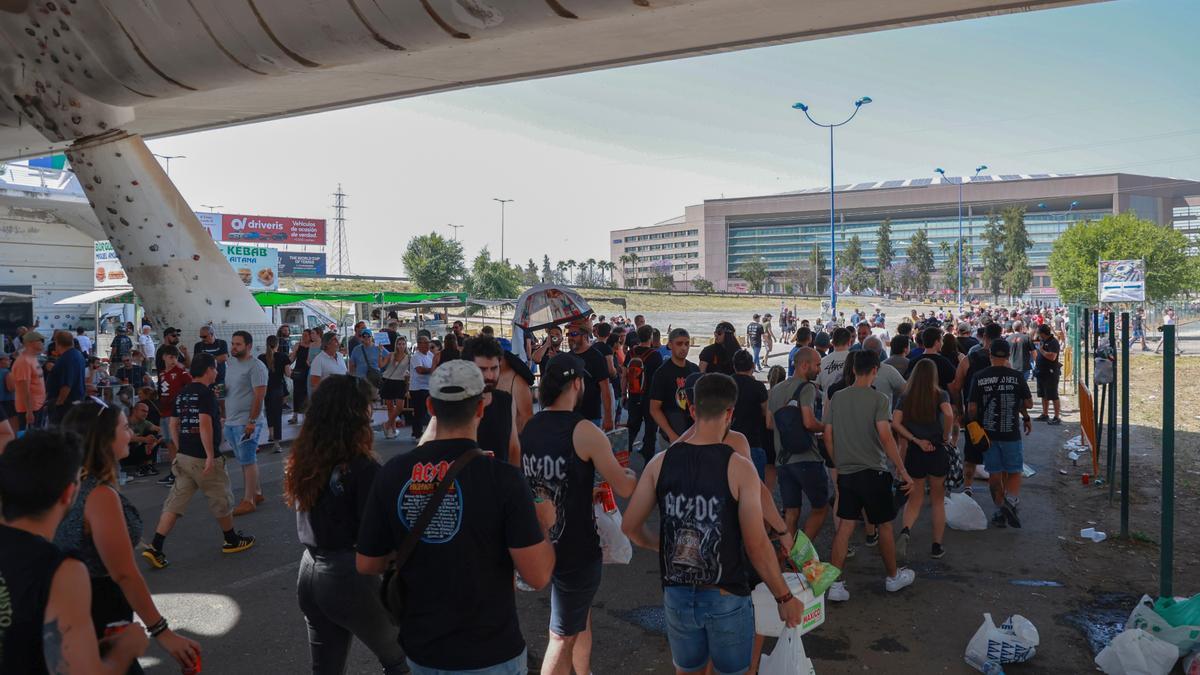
{"x": 794, "y": 438}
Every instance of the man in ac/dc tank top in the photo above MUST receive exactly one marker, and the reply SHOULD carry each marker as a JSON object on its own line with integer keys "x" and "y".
{"x": 561, "y": 453}
{"x": 498, "y": 429}
{"x": 711, "y": 521}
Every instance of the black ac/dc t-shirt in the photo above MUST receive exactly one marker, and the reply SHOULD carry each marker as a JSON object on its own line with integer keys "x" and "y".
{"x": 718, "y": 360}
{"x": 1000, "y": 394}
{"x": 747, "y": 410}
{"x": 597, "y": 371}
{"x": 668, "y": 387}
{"x": 460, "y": 612}
{"x": 196, "y": 399}
{"x": 333, "y": 521}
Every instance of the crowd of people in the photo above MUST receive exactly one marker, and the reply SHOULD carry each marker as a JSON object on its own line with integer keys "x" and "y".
{"x": 422, "y": 555}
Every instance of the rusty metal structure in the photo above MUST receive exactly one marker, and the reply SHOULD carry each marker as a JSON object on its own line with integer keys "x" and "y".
{"x": 93, "y": 77}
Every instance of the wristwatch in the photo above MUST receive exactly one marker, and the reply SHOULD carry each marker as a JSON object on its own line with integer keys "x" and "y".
{"x": 784, "y": 598}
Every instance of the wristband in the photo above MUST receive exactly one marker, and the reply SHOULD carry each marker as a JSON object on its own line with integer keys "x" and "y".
{"x": 784, "y": 598}
{"x": 157, "y": 629}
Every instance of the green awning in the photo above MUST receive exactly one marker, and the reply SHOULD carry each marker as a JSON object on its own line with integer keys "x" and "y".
{"x": 275, "y": 298}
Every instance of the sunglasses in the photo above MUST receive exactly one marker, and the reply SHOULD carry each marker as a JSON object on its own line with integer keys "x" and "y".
{"x": 574, "y": 333}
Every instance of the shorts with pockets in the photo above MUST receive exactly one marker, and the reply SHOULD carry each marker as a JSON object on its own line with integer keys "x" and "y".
{"x": 803, "y": 479}
{"x": 1047, "y": 385}
{"x": 921, "y": 464}
{"x": 244, "y": 451}
{"x": 571, "y": 595}
{"x": 707, "y": 624}
{"x": 869, "y": 491}
{"x": 189, "y": 477}
{"x": 1005, "y": 457}
{"x": 972, "y": 453}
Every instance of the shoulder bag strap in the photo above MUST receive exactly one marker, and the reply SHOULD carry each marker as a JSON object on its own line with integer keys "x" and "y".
{"x": 414, "y": 535}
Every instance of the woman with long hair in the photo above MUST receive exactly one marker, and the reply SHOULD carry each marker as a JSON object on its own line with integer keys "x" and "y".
{"x": 327, "y": 480}
{"x": 776, "y": 375}
{"x": 395, "y": 384}
{"x": 277, "y": 363}
{"x": 923, "y": 418}
{"x": 950, "y": 349}
{"x": 102, "y": 527}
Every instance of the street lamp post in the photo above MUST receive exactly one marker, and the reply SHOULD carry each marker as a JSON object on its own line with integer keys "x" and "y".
{"x": 212, "y": 208}
{"x": 458, "y": 227}
{"x": 832, "y": 225}
{"x": 502, "y": 203}
{"x": 981, "y": 167}
{"x": 167, "y": 160}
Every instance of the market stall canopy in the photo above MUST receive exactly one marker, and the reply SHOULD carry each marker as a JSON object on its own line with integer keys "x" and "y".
{"x": 275, "y": 298}
{"x": 99, "y": 295}
{"x": 548, "y": 305}
{"x": 9, "y": 296}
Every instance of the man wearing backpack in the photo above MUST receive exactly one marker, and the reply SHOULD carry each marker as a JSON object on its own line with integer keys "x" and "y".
{"x": 801, "y": 470}
{"x": 643, "y": 360}
{"x": 964, "y": 379}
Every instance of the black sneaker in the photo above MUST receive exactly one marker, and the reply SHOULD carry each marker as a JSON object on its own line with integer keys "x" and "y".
{"x": 937, "y": 551}
{"x": 1042, "y": 418}
{"x": 155, "y": 557}
{"x": 1009, "y": 510}
{"x": 167, "y": 480}
{"x": 873, "y": 539}
{"x": 244, "y": 541}
{"x": 1054, "y": 422}
{"x": 151, "y": 470}
{"x": 998, "y": 519}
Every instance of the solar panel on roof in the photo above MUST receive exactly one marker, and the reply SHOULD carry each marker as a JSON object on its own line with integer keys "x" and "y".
{"x": 1010, "y": 176}
{"x": 980, "y": 178}
{"x": 891, "y": 184}
{"x": 1039, "y": 175}
{"x": 863, "y": 186}
{"x": 921, "y": 181}
{"x": 839, "y": 188}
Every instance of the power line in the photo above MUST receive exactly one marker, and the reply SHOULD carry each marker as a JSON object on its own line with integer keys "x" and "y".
{"x": 341, "y": 245}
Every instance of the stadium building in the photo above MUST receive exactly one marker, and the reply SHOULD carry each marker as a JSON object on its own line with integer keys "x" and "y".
{"x": 714, "y": 239}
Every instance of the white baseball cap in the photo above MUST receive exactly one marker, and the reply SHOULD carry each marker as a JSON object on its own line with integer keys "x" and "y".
{"x": 456, "y": 381}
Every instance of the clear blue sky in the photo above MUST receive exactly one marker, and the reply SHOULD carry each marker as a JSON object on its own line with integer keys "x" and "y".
{"x": 1103, "y": 87}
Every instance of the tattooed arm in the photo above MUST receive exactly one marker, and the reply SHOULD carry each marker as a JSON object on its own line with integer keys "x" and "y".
{"x": 68, "y": 638}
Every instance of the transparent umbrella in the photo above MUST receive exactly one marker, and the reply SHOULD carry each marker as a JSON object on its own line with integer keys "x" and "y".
{"x": 548, "y": 305}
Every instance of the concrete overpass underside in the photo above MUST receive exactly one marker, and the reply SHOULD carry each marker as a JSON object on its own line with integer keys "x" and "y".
{"x": 93, "y": 77}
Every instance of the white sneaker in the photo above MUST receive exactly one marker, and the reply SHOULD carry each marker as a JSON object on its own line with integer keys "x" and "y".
{"x": 838, "y": 593}
{"x": 904, "y": 577}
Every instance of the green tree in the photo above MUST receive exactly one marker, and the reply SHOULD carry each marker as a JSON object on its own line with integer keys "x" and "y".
{"x": 992, "y": 259}
{"x": 754, "y": 271}
{"x": 949, "y": 251}
{"x": 885, "y": 253}
{"x": 547, "y": 271}
{"x": 1075, "y": 258}
{"x": 1017, "y": 275}
{"x": 920, "y": 259}
{"x": 530, "y": 276}
{"x": 851, "y": 269}
{"x": 703, "y": 285}
{"x": 662, "y": 276}
{"x": 433, "y": 262}
{"x": 492, "y": 279}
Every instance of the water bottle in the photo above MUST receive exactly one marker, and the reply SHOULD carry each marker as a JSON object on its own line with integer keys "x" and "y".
{"x": 983, "y": 664}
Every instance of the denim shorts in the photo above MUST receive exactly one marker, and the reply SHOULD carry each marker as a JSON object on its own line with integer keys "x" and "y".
{"x": 515, "y": 666}
{"x": 706, "y": 624}
{"x": 1004, "y": 456}
{"x": 245, "y": 452}
{"x": 571, "y": 595}
{"x": 759, "y": 457}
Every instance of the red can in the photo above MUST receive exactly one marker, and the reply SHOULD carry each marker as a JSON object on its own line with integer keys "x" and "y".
{"x": 194, "y": 670}
{"x": 607, "y": 499}
{"x": 623, "y": 458}
{"x": 115, "y": 627}
{"x": 1085, "y": 478}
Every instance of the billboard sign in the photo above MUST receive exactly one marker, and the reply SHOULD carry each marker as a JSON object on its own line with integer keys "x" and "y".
{"x": 107, "y": 269}
{"x": 258, "y": 266}
{"x": 212, "y": 223}
{"x": 296, "y": 264}
{"x": 1122, "y": 280}
{"x": 272, "y": 229}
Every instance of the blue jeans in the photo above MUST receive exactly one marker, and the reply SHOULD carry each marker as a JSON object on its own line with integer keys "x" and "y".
{"x": 757, "y": 348}
{"x": 515, "y": 666}
{"x": 246, "y": 452}
{"x": 705, "y": 624}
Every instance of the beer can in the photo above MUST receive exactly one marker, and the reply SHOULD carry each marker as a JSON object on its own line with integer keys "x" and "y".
{"x": 195, "y": 670}
{"x": 607, "y": 499}
{"x": 115, "y": 627}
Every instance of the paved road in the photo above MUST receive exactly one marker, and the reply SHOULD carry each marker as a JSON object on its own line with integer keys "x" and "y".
{"x": 242, "y": 608}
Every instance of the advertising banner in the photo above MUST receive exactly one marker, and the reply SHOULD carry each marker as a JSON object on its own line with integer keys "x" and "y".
{"x": 108, "y": 270}
{"x": 1122, "y": 280}
{"x": 212, "y": 223}
{"x": 296, "y": 264}
{"x": 258, "y": 266}
{"x": 272, "y": 229}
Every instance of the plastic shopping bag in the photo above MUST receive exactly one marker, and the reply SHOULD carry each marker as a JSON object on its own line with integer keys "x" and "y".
{"x": 820, "y": 576}
{"x": 1136, "y": 652}
{"x": 1179, "y": 612}
{"x": 1014, "y": 641}
{"x": 788, "y": 658}
{"x": 1191, "y": 664}
{"x": 615, "y": 546}
{"x": 1144, "y": 616}
{"x": 964, "y": 513}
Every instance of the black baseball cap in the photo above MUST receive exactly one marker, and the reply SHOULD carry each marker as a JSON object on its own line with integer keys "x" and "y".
{"x": 1001, "y": 348}
{"x": 564, "y": 367}
{"x": 170, "y": 331}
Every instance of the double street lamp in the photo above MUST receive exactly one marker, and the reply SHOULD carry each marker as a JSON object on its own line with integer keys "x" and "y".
{"x": 832, "y": 226}
{"x": 502, "y": 203}
{"x": 981, "y": 167}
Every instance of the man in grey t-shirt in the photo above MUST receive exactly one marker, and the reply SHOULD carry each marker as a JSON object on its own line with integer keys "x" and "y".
{"x": 801, "y": 474}
{"x": 245, "y": 388}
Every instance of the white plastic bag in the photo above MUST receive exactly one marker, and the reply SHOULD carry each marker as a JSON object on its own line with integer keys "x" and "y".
{"x": 615, "y": 546}
{"x": 788, "y": 658}
{"x": 1191, "y": 664}
{"x": 1185, "y": 638}
{"x": 1136, "y": 652}
{"x": 1014, "y": 641}
{"x": 964, "y": 513}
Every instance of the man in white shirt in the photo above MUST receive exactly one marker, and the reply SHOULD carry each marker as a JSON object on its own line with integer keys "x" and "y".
{"x": 145, "y": 341}
{"x": 880, "y": 331}
{"x": 834, "y": 361}
{"x": 418, "y": 388}
{"x": 327, "y": 362}
{"x": 85, "y": 342}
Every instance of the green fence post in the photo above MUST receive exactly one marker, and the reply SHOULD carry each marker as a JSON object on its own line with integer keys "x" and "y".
{"x": 1112, "y": 408}
{"x": 1167, "y": 547}
{"x": 1086, "y": 361}
{"x": 1124, "y": 387}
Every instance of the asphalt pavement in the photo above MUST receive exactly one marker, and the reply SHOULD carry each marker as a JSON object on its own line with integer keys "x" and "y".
{"x": 242, "y": 608}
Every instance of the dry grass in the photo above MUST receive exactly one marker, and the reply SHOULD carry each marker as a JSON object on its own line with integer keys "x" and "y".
{"x": 1146, "y": 402}
{"x": 683, "y": 303}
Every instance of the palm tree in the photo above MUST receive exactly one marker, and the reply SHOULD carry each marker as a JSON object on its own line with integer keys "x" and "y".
{"x": 610, "y": 266}
{"x": 588, "y": 265}
{"x": 561, "y": 268}
{"x": 633, "y": 260}
{"x": 624, "y": 260}
{"x": 571, "y": 265}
